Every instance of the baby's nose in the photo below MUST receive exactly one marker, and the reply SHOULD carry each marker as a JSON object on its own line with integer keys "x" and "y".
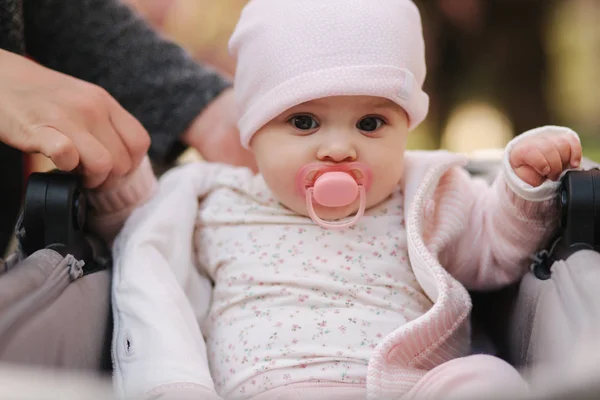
{"x": 337, "y": 152}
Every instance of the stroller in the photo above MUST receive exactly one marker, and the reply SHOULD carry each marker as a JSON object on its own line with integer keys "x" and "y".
{"x": 55, "y": 302}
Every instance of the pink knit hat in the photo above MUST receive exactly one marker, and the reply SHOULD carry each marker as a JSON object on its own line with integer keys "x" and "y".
{"x": 292, "y": 51}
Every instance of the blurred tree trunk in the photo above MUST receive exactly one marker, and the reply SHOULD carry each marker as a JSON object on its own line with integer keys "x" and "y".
{"x": 491, "y": 50}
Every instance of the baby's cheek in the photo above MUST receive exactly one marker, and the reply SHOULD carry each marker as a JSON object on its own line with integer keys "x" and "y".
{"x": 376, "y": 195}
{"x": 383, "y": 187}
{"x": 284, "y": 190}
{"x": 287, "y": 191}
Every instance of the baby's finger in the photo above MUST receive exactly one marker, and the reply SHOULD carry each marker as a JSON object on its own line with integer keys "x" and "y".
{"x": 529, "y": 175}
{"x": 576, "y": 151}
{"x": 530, "y": 155}
{"x": 550, "y": 150}
{"x": 564, "y": 149}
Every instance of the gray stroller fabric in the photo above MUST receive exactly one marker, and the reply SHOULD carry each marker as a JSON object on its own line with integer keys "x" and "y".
{"x": 551, "y": 318}
{"x": 37, "y": 281}
{"x": 51, "y": 315}
{"x": 550, "y": 330}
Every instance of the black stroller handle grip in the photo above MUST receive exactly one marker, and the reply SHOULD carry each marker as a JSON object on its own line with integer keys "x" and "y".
{"x": 54, "y": 216}
{"x": 580, "y": 204}
{"x": 579, "y": 224}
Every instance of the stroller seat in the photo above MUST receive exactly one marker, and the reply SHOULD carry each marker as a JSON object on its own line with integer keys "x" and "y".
{"x": 538, "y": 321}
{"x": 552, "y": 315}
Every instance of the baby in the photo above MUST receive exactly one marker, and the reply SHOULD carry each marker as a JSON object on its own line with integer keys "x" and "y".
{"x": 341, "y": 270}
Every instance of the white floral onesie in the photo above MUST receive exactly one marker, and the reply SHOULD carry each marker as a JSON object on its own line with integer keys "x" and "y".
{"x": 293, "y": 302}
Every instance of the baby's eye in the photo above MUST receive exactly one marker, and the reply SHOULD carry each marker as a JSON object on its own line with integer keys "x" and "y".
{"x": 303, "y": 122}
{"x": 370, "y": 124}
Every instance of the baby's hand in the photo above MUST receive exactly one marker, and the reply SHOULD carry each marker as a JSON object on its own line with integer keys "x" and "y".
{"x": 536, "y": 158}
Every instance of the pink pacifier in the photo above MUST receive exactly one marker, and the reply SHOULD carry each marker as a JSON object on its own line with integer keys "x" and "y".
{"x": 334, "y": 186}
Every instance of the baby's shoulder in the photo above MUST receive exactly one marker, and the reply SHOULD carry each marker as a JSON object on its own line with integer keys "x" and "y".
{"x": 243, "y": 186}
{"x": 240, "y": 177}
{"x": 243, "y": 181}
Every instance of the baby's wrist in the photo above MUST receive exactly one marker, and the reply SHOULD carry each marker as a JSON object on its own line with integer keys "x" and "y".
{"x": 133, "y": 190}
{"x": 534, "y": 205}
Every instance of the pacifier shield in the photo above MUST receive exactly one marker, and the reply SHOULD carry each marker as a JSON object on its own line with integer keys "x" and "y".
{"x": 335, "y": 189}
{"x": 333, "y": 186}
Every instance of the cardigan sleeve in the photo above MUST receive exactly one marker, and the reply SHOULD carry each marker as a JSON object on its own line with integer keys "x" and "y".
{"x": 500, "y": 227}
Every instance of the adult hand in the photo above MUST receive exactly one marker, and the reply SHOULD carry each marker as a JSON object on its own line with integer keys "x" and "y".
{"x": 215, "y": 135}
{"x": 74, "y": 123}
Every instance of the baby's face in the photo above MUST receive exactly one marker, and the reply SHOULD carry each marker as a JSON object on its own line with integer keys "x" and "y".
{"x": 333, "y": 130}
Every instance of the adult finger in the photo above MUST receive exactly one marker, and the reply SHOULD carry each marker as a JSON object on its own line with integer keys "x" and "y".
{"x": 51, "y": 143}
{"x": 17, "y": 131}
{"x": 131, "y": 132}
{"x": 106, "y": 134}
{"x": 93, "y": 112}
{"x": 95, "y": 161}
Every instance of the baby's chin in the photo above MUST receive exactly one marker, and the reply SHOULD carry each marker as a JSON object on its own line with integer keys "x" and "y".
{"x": 330, "y": 213}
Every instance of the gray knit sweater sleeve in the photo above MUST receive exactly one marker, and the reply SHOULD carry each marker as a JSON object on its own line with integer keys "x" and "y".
{"x": 104, "y": 42}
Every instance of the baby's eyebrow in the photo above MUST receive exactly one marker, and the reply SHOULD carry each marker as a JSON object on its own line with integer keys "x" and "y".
{"x": 383, "y": 103}
{"x": 387, "y": 105}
